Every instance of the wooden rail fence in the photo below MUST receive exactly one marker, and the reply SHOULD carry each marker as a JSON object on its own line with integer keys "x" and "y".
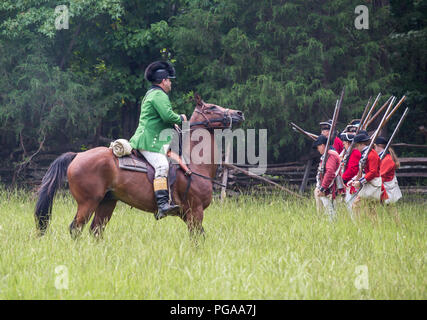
{"x": 412, "y": 175}
{"x": 295, "y": 176}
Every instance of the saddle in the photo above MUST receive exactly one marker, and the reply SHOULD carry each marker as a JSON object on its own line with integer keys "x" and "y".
{"x": 137, "y": 162}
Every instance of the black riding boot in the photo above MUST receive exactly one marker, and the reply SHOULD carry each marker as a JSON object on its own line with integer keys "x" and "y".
{"x": 164, "y": 208}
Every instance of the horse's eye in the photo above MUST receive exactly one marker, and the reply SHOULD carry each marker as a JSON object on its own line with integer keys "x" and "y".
{"x": 212, "y": 108}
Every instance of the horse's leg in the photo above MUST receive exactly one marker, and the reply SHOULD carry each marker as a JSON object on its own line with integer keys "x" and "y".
{"x": 84, "y": 212}
{"x": 194, "y": 218}
{"x": 102, "y": 215}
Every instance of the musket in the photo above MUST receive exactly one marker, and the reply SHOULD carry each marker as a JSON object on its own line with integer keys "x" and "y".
{"x": 391, "y": 112}
{"x": 362, "y": 119}
{"x": 394, "y": 132}
{"x": 362, "y": 162}
{"x": 347, "y": 154}
{"x": 373, "y": 137}
{"x": 311, "y": 136}
{"x": 362, "y": 124}
{"x": 370, "y": 120}
{"x": 328, "y": 141}
{"x": 395, "y": 108}
{"x": 332, "y": 131}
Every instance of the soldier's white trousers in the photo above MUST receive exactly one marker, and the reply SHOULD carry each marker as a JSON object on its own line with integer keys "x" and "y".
{"x": 329, "y": 207}
{"x": 159, "y": 162}
{"x": 327, "y": 204}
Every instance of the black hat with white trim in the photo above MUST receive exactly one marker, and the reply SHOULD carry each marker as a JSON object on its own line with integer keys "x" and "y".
{"x": 347, "y": 136}
{"x": 353, "y": 125}
{"x": 325, "y": 125}
{"x": 361, "y": 137}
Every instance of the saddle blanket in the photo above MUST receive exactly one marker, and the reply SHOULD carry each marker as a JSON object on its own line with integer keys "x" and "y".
{"x": 133, "y": 163}
{"x": 137, "y": 162}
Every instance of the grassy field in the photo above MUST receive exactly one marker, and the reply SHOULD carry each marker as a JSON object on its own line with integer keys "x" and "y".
{"x": 255, "y": 248}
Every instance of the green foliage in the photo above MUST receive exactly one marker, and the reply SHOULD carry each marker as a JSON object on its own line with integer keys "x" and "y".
{"x": 408, "y": 56}
{"x": 275, "y": 60}
{"x": 285, "y": 61}
{"x": 62, "y": 85}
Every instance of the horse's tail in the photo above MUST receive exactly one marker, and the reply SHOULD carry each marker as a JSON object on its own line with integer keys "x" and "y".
{"x": 52, "y": 181}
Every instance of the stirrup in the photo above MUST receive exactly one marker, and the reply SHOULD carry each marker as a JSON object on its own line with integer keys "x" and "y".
{"x": 173, "y": 209}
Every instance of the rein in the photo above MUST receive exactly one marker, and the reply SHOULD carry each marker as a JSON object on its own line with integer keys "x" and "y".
{"x": 209, "y": 178}
{"x": 201, "y": 176}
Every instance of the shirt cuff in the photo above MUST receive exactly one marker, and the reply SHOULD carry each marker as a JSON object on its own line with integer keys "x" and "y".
{"x": 363, "y": 181}
{"x": 321, "y": 189}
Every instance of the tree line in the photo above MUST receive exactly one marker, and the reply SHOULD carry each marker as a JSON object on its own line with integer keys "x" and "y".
{"x": 276, "y": 60}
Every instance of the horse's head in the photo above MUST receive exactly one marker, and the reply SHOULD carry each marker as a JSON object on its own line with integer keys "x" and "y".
{"x": 211, "y": 116}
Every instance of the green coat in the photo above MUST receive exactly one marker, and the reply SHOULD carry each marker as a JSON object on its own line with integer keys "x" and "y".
{"x": 156, "y": 115}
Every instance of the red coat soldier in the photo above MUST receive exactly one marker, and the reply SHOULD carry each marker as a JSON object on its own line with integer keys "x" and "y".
{"x": 325, "y": 127}
{"x": 370, "y": 182}
{"x": 352, "y": 168}
{"x": 388, "y": 167}
{"x": 326, "y": 189}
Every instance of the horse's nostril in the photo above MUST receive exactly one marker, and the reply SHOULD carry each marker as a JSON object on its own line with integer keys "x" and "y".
{"x": 240, "y": 114}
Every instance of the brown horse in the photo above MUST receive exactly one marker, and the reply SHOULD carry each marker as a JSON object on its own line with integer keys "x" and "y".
{"x": 97, "y": 183}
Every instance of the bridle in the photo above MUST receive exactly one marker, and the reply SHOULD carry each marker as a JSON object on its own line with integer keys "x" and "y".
{"x": 226, "y": 119}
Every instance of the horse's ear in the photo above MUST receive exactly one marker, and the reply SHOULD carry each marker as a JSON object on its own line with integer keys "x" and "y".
{"x": 198, "y": 100}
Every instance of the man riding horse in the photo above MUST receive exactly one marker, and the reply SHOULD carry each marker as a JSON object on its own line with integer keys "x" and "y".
{"x": 157, "y": 115}
{"x": 97, "y": 183}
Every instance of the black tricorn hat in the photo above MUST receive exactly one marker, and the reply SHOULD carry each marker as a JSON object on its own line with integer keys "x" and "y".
{"x": 363, "y": 132}
{"x": 361, "y": 137}
{"x": 381, "y": 140}
{"x": 347, "y": 136}
{"x": 353, "y": 125}
{"x": 326, "y": 125}
{"x": 159, "y": 70}
{"x": 321, "y": 139}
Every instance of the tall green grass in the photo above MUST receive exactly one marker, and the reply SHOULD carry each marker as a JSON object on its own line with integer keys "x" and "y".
{"x": 255, "y": 248}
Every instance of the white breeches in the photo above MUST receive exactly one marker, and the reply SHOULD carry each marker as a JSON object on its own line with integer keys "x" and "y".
{"x": 329, "y": 206}
{"x": 159, "y": 162}
{"x": 326, "y": 203}
{"x": 349, "y": 201}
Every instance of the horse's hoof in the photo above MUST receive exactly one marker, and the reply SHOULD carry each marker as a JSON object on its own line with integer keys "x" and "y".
{"x": 75, "y": 235}
{"x": 74, "y": 232}
{"x": 159, "y": 216}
